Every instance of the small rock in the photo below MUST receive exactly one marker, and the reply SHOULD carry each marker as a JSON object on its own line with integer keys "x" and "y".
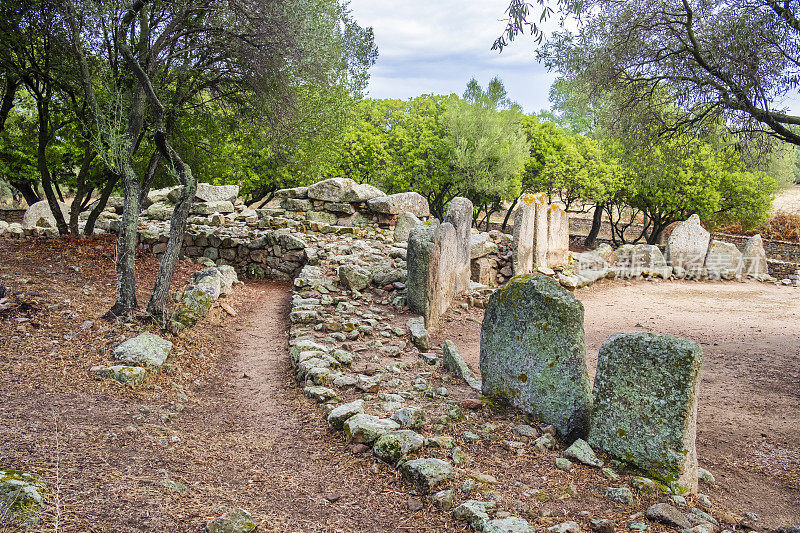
{"x": 525, "y": 431}
{"x": 563, "y": 464}
{"x": 473, "y": 512}
{"x": 443, "y": 499}
{"x": 366, "y": 429}
{"x": 320, "y": 394}
{"x": 566, "y": 527}
{"x": 583, "y": 453}
{"x": 669, "y": 515}
{"x": 394, "y": 445}
{"x": 419, "y": 335}
{"x": 511, "y": 524}
{"x": 620, "y": 495}
{"x": 340, "y": 414}
{"x": 704, "y": 500}
{"x": 235, "y": 521}
{"x": 705, "y": 476}
{"x": 414, "y": 505}
{"x": 603, "y": 525}
{"x": 144, "y": 349}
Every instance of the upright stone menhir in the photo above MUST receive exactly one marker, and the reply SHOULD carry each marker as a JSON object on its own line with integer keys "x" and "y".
{"x": 431, "y": 258}
{"x": 723, "y": 261}
{"x": 687, "y": 247}
{"x": 645, "y": 405}
{"x": 459, "y": 214}
{"x": 754, "y": 258}
{"x": 557, "y": 235}
{"x": 533, "y": 353}
{"x": 524, "y": 231}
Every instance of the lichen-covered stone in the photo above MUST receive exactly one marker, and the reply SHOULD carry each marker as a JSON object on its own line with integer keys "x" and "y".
{"x": 354, "y": 277}
{"x": 472, "y": 512}
{"x": 453, "y": 362}
{"x": 426, "y": 474}
{"x": 583, "y": 453}
{"x": 431, "y": 257}
{"x": 511, "y": 524}
{"x": 131, "y": 375}
{"x": 419, "y": 335}
{"x": 392, "y": 446}
{"x": 340, "y": 414}
{"x": 39, "y": 214}
{"x": 320, "y": 394}
{"x": 669, "y": 515}
{"x": 21, "y": 495}
{"x": 235, "y": 521}
{"x": 209, "y": 208}
{"x": 533, "y": 353}
{"x": 622, "y": 495}
{"x": 410, "y": 417}
{"x": 645, "y": 410}
{"x": 144, "y": 349}
{"x": 459, "y": 214}
{"x": 366, "y": 429}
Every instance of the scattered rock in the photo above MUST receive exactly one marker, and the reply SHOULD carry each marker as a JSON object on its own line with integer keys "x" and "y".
{"x": 669, "y": 515}
{"x": 144, "y": 349}
{"x": 426, "y": 474}
{"x": 342, "y": 413}
{"x": 472, "y": 512}
{"x": 393, "y": 446}
{"x": 566, "y": 527}
{"x": 583, "y": 453}
{"x": 563, "y": 464}
{"x": 320, "y": 394}
{"x": 366, "y": 429}
{"x": 419, "y": 335}
{"x": 444, "y": 499}
{"x": 511, "y": 524}
{"x": 131, "y": 375}
{"x": 619, "y": 495}
{"x": 235, "y": 521}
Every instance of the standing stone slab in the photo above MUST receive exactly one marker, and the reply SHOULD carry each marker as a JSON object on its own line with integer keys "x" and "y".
{"x": 459, "y": 214}
{"x": 687, "y": 246}
{"x": 533, "y": 353}
{"x": 754, "y": 258}
{"x": 557, "y": 235}
{"x": 540, "y": 231}
{"x": 431, "y": 258}
{"x": 723, "y": 261}
{"x": 645, "y": 410}
{"x": 524, "y": 230}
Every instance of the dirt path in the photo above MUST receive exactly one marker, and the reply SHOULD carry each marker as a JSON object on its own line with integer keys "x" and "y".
{"x": 749, "y": 410}
{"x": 284, "y": 464}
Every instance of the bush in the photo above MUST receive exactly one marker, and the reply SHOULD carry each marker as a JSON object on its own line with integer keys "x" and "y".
{"x": 780, "y": 227}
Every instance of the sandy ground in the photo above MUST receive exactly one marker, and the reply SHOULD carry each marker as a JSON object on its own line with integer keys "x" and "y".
{"x": 788, "y": 200}
{"x": 749, "y": 409}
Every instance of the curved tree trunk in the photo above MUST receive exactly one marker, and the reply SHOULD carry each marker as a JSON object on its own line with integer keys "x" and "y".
{"x": 105, "y": 194}
{"x": 597, "y": 222}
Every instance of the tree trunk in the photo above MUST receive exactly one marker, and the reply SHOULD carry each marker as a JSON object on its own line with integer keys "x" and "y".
{"x": 83, "y": 190}
{"x": 9, "y": 92}
{"x": 508, "y": 214}
{"x": 27, "y": 191}
{"x": 105, "y": 194}
{"x": 41, "y": 162}
{"x": 127, "y": 240}
{"x": 157, "y": 306}
{"x": 152, "y": 166}
{"x": 597, "y": 222}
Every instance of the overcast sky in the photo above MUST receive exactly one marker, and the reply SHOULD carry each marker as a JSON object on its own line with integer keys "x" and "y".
{"x": 437, "y": 46}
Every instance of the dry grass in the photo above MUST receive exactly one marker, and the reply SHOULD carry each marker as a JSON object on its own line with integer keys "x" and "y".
{"x": 781, "y": 226}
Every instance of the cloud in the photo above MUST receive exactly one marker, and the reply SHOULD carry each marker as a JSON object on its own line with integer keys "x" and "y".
{"x": 436, "y": 47}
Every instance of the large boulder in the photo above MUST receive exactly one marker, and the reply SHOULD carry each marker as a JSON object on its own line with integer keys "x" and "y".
{"x": 754, "y": 258}
{"x": 362, "y": 192}
{"x": 533, "y": 353}
{"x": 144, "y": 349}
{"x": 331, "y": 190}
{"x": 687, "y": 246}
{"x": 40, "y": 215}
{"x": 723, "y": 261}
{"x": 394, "y": 204}
{"x": 209, "y": 208}
{"x": 459, "y": 214}
{"x": 645, "y": 410}
{"x": 216, "y": 193}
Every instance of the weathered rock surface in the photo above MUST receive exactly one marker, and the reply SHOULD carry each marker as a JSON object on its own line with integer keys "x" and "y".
{"x": 453, "y": 361}
{"x": 427, "y": 474}
{"x": 39, "y": 214}
{"x": 669, "y": 515}
{"x": 216, "y": 193}
{"x": 234, "y": 521}
{"x": 688, "y": 244}
{"x": 405, "y": 223}
{"x": 723, "y": 261}
{"x": 583, "y": 453}
{"x": 557, "y": 236}
{"x": 533, "y": 353}
{"x": 402, "y": 202}
{"x": 340, "y": 414}
{"x": 459, "y": 214}
{"x": 512, "y": 524}
{"x": 209, "y": 208}
{"x": 645, "y": 410}
{"x": 432, "y": 250}
{"x": 419, "y": 335}
{"x": 634, "y": 260}
{"x": 144, "y": 349}
{"x": 754, "y": 258}
{"x": 131, "y": 375}
{"x": 392, "y": 446}
{"x": 366, "y": 429}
